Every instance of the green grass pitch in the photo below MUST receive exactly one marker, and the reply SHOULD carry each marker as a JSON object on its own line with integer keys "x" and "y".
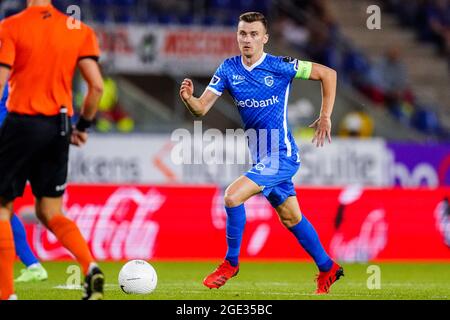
{"x": 256, "y": 280}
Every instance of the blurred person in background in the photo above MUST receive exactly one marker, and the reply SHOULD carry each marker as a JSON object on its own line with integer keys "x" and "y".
{"x": 389, "y": 75}
{"x": 438, "y": 20}
{"x": 111, "y": 117}
{"x": 291, "y": 33}
{"x": 389, "y": 82}
{"x": 356, "y": 124}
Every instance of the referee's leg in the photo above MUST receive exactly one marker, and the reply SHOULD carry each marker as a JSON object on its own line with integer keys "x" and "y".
{"x": 7, "y": 251}
{"x": 49, "y": 212}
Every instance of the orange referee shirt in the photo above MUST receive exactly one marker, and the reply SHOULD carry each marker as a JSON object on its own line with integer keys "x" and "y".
{"x": 43, "y": 51}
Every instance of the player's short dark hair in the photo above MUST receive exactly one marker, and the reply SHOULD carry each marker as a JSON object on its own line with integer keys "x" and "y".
{"x": 254, "y": 17}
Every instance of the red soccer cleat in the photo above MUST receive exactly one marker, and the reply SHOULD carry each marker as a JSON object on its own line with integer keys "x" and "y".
{"x": 326, "y": 279}
{"x": 224, "y": 272}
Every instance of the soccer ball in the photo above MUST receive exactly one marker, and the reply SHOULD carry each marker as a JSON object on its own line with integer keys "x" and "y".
{"x": 137, "y": 277}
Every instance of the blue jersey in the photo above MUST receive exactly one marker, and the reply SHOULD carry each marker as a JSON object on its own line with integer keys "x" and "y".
{"x": 261, "y": 93}
{"x": 3, "y": 110}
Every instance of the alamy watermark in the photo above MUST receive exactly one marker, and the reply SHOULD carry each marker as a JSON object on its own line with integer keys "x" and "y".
{"x": 374, "y": 280}
{"x": 74, "y": 276}
{"x": 73, "y": 11}
{"x": 74, "y": 19}
{"x": 213, "y": 147}
{"x": 373, "y": 22}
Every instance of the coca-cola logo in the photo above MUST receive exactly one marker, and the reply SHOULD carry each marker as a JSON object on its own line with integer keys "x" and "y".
{"x": 121, "y": 228}
{"x": 373, "y": 233}
{"x": 367, "y": 245}
{"x": 442, "y": 216}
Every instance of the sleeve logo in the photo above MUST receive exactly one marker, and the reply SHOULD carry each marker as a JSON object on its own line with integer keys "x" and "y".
{"x": 294, "y": 61}
{"x": 289, "y": 59}
{"x": 215, "y": 80}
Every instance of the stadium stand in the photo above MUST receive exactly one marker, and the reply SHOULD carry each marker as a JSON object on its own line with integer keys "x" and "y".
{"x": 430, "y": 20}
{"x": 202, "y": 12}
{"x": 333, "y": 42}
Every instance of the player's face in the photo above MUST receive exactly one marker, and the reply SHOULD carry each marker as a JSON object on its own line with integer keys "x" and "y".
{"x": 252, "y": 37}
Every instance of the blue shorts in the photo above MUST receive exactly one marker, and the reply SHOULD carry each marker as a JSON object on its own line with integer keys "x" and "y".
{"x": 274, "y": 173}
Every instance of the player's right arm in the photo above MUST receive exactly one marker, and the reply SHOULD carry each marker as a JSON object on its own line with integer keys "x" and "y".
{"x": 197, "y": 106}
{"x": 200, "y": 106}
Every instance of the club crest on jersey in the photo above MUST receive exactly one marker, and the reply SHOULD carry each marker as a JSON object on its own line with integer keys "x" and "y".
{"x": 268, "y": 81}
{"x": 215, "y": 80}
{"x": 260, "y": 166}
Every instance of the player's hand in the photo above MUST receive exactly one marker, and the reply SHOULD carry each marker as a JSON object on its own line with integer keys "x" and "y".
{"x": 78, "y": 138}
{"x": 186, "y": 89}
{"x": 322, "y": 127}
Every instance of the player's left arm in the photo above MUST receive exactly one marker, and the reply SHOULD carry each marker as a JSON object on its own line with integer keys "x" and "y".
{"x": 328, "y": 77}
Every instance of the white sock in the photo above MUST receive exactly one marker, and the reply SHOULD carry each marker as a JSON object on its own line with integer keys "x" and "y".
{"x": 92, "y": 265}
{"x": 13, "y": 297}
{"x": 34, "y": 265}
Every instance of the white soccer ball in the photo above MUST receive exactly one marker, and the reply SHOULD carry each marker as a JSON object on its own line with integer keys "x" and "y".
{"x": 137, "y": 277}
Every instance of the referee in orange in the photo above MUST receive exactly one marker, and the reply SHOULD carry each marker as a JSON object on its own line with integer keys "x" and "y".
{"x": 40, "y": 49}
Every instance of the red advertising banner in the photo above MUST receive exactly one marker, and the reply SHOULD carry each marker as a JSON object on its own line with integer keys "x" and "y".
{"x": 155, "y": 49}
{"x": 168, "y": 222}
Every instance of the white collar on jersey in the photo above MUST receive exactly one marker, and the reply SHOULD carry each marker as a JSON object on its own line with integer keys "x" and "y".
{"x": 253, "y": 66}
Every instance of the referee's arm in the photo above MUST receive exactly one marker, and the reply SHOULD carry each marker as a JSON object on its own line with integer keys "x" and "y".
{"x": 4, "y": 75}
{"x": 91, "y": 73}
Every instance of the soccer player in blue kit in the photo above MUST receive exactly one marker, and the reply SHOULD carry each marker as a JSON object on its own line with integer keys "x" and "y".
{"x": 34, "y": 271}
{"x": 259, "y": 84}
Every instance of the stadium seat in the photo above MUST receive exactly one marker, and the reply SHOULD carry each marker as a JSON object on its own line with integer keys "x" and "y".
{"x": 186, "y": 19}
{"x": 165, "y": 18}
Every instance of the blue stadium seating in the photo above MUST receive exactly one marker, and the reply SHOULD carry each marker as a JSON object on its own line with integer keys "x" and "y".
{"x": 217, "y": 12}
